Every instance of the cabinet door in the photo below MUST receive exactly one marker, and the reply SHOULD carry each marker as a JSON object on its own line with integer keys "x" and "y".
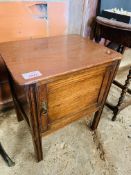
{"x": 69, "y": 97}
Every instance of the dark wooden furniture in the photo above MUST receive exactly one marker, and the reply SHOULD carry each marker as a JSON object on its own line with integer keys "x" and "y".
{"x": 120, "y": 33}
{"x": 5, "y": 156}
{"x": 76, "y": 75}
{"x": 5, "y": 93}
{"x": 118, "y": 17}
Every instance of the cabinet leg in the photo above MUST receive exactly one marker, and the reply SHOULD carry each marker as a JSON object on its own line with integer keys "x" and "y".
{"x": 19, "y": 116}
{"x": 96, "y": 119}
{"x": 109, "y": 78}
{"x": 18, "y": 112}
{"x": 16, "y": 106}
{"x": 34, "y": 121}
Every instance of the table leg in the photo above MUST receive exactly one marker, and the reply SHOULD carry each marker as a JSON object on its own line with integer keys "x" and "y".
{"x": 32, "y": 97}
{"x": 122, "y": 97}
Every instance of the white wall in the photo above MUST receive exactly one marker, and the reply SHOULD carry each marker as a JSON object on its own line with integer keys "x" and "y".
{"x": 75, "y": 16}
{"x": 81, "y": 15}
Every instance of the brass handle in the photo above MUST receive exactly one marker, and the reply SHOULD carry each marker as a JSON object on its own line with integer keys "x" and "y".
{"x": 44, "y": 107}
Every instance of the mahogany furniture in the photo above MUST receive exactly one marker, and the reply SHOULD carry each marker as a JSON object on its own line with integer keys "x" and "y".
{"x": 75, "y": 75}
{"x": 120, "y": 33}
{"x": 5, "y": 94}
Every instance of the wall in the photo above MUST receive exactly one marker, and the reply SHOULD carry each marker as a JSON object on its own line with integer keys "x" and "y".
{"x": 65, "y": 17}
{"x": 127, "y": 5}
{"x": 81, "y": 16}
{"x": 21, "y": 20}
{"x": 89, "y": 14}
{"x": 108, "y": 4}
{"x": 75, "y": 16}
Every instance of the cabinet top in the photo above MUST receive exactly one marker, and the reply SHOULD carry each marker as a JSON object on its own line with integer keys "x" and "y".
{"x": 34, "y": 60}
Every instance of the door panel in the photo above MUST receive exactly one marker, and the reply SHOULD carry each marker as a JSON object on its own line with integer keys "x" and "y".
{"x": 74, "y": 94}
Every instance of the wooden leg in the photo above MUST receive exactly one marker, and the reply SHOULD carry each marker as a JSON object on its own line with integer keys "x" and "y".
{"x": 16, "y": 106}
{"x": 96, "y": 119}
{"x": 122, "y": 97}
{"x": 18, "y": 112}
{"x": 19, "y": 117}
{"x": 5, "y": 156}
{"x": 34, "y": 120}
{"x": 121, "y": 49}
{"x": 118, "y": 84}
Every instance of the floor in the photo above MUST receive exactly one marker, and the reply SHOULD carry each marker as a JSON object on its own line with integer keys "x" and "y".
{"x": 73, "y": 150}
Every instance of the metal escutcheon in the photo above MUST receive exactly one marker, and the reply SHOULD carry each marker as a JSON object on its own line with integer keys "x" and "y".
{"x": 44, "y": 107}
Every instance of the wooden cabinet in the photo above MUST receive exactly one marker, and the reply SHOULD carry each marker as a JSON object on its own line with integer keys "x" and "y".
{"x": 73, "y": 94}
{"x": 75, "y": 77}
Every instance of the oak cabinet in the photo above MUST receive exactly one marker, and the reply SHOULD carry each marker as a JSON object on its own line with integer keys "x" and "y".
{"x": 67, "y": 78}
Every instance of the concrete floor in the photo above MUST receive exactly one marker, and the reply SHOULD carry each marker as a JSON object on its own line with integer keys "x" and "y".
{"x": 73, "y": 150}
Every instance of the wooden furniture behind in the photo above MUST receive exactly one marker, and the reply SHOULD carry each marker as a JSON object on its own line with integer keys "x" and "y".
{"x": 120, "y": 33}
{"x": 76, "y": 77}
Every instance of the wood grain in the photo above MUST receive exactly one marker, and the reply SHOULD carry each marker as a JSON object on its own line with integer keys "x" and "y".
{"x": 72, "y": 53}
{"x": 74, "y": 94}
{"x": 76, "y": 77}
